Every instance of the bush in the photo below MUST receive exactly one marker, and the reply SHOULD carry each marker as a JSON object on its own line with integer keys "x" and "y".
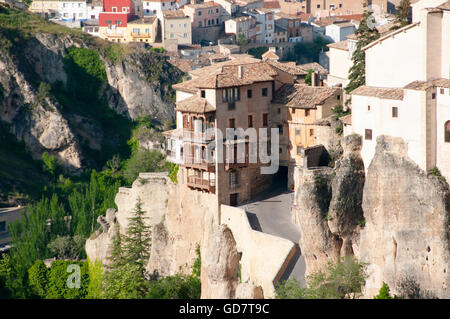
{"x": 290, "y": 289}
{"x": 67, "y": 247}
{"x": 175, "y": 287}
{"x": 143, "y": 161}
{"x": 383, "y": 293}
{"x": 38, "y": 278}
{"x": 58, "y": 287}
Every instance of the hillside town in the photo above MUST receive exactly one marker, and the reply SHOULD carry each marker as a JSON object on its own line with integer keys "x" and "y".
{"x": 238, "y": 149}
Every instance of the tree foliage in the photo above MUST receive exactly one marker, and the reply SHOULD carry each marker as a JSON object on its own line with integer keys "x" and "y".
{"x": 341, "y": 280}
{"x": 143, "y": 161}
{"x": 38, "y": 278}
{"x": 402, "y": 14}
{"x": 384, "y": 292}
{"x": 175, "y": 287}
{"x": 366, "y": 33}
{"x": 58, "y": 276}
{"x": 67, "y": 247}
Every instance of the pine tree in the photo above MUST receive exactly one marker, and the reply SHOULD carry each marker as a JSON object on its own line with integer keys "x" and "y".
{"x": 137, "y": 241}
{"x": 365, "y": 34}
{"x": 384, "y": 292}
{"x": 402, "y": 14}
{"x": 116, "y": 258}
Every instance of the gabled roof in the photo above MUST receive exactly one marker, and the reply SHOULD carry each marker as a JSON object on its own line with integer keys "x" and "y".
{"x": 316, "y": 67}
{"x": 343, "y": 45}
{"x": 270, "y": 55}
{"x": 288, "y": 67}
{"x": 424, "y": 85}
{"x": 390, "y": 34}
{"x": 382, "y": 93}
{"x": 195, "y": 104}
{"x": 303, "y": 96}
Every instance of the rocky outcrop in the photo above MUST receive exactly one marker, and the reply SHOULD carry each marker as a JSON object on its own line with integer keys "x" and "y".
{"x": 328, "y": 207}
{"x": 407, "y": 230}
{"x": 220, "y": 265}
{"x": 136, "y": 86}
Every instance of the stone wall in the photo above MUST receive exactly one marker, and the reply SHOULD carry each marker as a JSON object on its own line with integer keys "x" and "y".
{"x": 264, "y": 257}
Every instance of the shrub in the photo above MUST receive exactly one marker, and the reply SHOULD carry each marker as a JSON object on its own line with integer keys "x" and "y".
{"x": 196, "y": 269}
{"x": 290, "y": 289}
{"x": 58, "y": 278}
{"x": 143, "y": 161}
{"x": 175, "y": 287}
{"x": 67, "y": 247}
{"x": 38, "y": 278}
{"x": 383, "y": 293}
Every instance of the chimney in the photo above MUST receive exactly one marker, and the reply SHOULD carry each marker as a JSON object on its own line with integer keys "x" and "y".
{"x": 240, "y": 71}
{"x": 314, "y": 79}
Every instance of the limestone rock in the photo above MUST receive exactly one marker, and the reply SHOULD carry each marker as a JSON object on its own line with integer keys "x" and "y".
{"x": 407, "y": 223}
{"x": 220, "y": 264}
{"x": 249, "y": 291}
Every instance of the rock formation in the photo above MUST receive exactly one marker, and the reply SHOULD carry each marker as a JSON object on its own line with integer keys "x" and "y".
{"x": 407, "y": 223}
{"x": 395, "y": 219}
{"x": 137, "y": 85}
{"x": 328, "y": 207}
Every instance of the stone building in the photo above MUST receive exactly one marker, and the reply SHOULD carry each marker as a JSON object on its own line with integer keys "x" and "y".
{"x": 408, "y": 95}
{"x": 176, "y": 27}
{"x": 206, "y": 20}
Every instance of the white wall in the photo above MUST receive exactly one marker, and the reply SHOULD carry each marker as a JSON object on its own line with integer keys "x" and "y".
{"x": 409, "y": 125}
{"x": 443, "y": 149}
{"x": 340, "y": 64}
{"x": 396, "y": 61}
{"x": 418, "y": 6}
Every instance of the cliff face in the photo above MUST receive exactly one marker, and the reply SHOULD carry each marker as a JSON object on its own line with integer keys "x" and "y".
{"x": 328, "y": 207}
{"x": 407, "y": 228}
{"x": 33, "y": 65}
{"x": 395, "y": 219}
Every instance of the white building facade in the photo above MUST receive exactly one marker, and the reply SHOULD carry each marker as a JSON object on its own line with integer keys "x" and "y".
{"x": 72, "y": 10}
{"x": 407, "y": 92}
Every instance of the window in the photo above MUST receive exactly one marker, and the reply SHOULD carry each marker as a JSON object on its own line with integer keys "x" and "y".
{"x": 442, "y": 91}
{"x": 202, "y": 93}
{"x": 234, "y": 179}
{"x": 108, "y": 22}
{"x": 265, "y": 120}
{"x": 311, "y": 132}
{"x": 199, "y": 23}
{"x": 306, "y": 113}
{"x": 250, "y": 121}
{"x": 264, "y": 92}
{"x": 249, "y": 94}
{"x": 137, "y": 31}
{"x": 297, "y": 132}
{"x": 124, "y": 9}
{"x": 433, "y": 96}
{"x": 199, "y": 13}
{"x": 231, "y": 95}
{"x": 171, "y": 26}
{"x": 368, "y": 107}
{"x": 395, "y": 111}
{"x": 147, "y": 30}
{"x": 114, "y": 9}
{"x": 2, "y": 227}
{"x": 231, "y": 123}
{"x": 280, "y": 128}
{"x": 217, "y": 10}
{"x": 368, "y": 135}
{"x": 278, "y": 110}
{"x": 185, "y": 35}
{"x": 299, "y": 150}
{"x": 447, "y": 131}
{"x": 217, "y": 21}
{"x": 171, "y": 35}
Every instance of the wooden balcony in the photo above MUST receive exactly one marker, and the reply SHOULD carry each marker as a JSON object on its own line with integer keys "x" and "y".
{"x": 191, "y": 135}
{"x": 141, "y": 35}
{"x": 199, "y": 183}
{"x": 237, "y": 163}
{"x": 198, "y": 163}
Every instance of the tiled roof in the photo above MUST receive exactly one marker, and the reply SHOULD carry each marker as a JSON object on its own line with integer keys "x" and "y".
{"x": 174, "y": 14}
{"x": 357, "y": 17}
{"x": 270, "y": 55}
{"x": 223, "y": 75}
{"x": 303, "y": 96}
{"x": 382, "y": 93}
{"x": 343, "y": 45}
{"x": 347, "y": 119}
{"x": 424, "y": 85}
{"x": 143, "y": 20}
{"x": 323, "y": 22}
{"x": 195, "y": 104}
{"x": 217, "y": 67}
{"x": 288, "y": 67}
{"x": 316, "y": 67}
{"x": 445, "y": 6}
{"x": 271, "y": 5}
{"x": 389, "y": 34}
{"x": 203, "y": 5}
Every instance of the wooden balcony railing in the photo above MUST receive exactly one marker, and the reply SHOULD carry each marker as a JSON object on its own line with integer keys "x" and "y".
{"x": 199, "y": 163}
{"x": 239, "y": 162}
{"x": 200, "y": 183}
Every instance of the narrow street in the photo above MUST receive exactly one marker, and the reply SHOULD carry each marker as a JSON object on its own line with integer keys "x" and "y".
{"x": 271, "y": 214}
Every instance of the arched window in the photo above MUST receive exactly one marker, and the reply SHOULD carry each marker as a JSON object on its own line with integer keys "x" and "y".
{"x": 447, "y": 131}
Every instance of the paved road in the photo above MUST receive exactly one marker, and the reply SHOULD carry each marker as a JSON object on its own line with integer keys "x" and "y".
{"x": 271, "y": 214}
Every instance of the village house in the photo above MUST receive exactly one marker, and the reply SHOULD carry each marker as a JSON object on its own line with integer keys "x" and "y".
{"x": 157, "y": 7}
{"x": 305, "y": 106}
{"x": 142, "y": 29}
{"x": 205, "y": 20}
{"x": 245, "y": 26}
{"x": 297, "y": 31}
{"x": 408, "y": 95}
{"x": 47, "y": 8}
{"x": 266, "y": 24}
{"x": 339, "y": 31}
{"x": 176, "y": 28}
{"x": 72, "y": 10}
{"x": 94, "y": 7}
{"x": 114, "y": 18}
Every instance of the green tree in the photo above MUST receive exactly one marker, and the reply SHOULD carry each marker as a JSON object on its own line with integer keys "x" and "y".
{"x": 38, "y": 278}
{"x": 58, "y": 287}
{"x": 402, "y": 14}
{"x": 67, "y": 247}
{"x": 383, "y": 293}
{"x": 51, "y": 165}
{"x": 366, "y": 33}
{"x": 137, "y": 240}
{"x": 291, "y": 289}
{"x": 143, "y": 161}
{"x": 308, "y": 77}
{"x": 5, "y": 276}
{"x": 125, "y": 282}
{"x": 241, "y": 40}
{"x": 175, "y": 287}
{"x": 95, "y": 280}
